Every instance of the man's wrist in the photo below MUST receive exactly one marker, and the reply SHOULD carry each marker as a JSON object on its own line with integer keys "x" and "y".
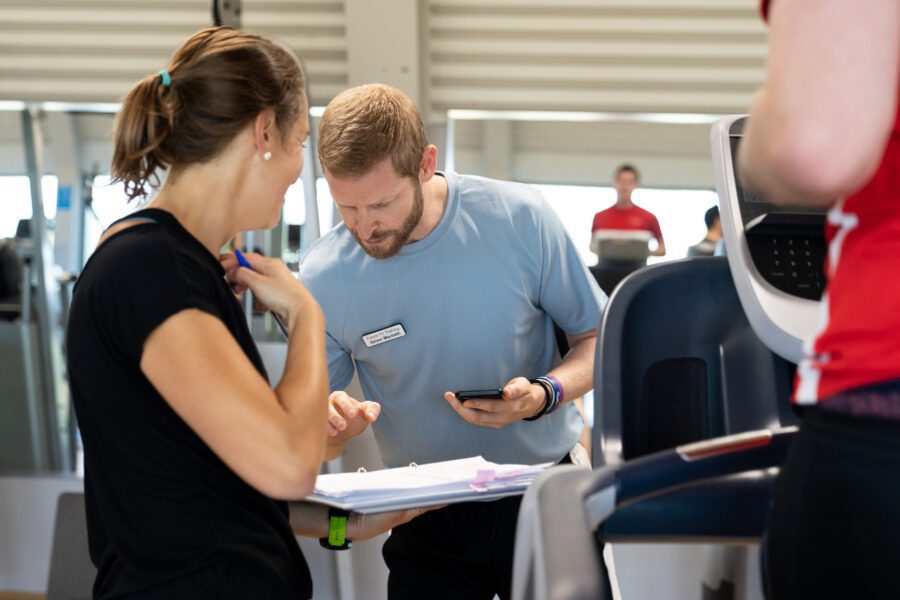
{"x": 555, "y": 394}
{"x": 548, "y": 394}
{"x": 558, "y": 391}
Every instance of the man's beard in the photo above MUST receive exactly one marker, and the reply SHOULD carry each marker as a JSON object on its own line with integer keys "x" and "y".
{"x": 400, "y": 236}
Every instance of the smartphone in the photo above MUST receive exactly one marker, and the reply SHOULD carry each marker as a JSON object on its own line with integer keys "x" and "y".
{"x": 463, "y": 395}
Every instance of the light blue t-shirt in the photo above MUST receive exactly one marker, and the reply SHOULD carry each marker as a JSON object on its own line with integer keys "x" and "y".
{"x": 475, "y": 299}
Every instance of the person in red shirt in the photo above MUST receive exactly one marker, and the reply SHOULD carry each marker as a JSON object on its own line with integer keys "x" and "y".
{"x": 825, "y": 131}
{"x": 624, "y": 214}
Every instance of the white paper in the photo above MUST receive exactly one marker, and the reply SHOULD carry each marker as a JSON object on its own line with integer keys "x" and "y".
{"x": 445, "y": 482}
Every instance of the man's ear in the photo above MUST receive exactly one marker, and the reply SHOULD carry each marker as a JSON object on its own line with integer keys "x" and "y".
{"x": 264, "y": 131}
{"x": 429, "y": 163}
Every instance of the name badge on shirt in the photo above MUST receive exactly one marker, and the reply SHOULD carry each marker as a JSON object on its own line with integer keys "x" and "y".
{"x": 391, "y": 332}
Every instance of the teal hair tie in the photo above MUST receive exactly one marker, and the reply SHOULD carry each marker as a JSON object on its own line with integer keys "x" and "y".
{"x": 166, "y": 78}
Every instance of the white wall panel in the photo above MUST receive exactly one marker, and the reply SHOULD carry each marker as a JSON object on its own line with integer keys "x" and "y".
{"x": 91, "y": 50}
{"x": 315, "y": 29}
{"x": 686, "y": 56}
{"x": 668, "y": 155}
{"x": 94, "y": 50}
{"x": 700, "y": 56}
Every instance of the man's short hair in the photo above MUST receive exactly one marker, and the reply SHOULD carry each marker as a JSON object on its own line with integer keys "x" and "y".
{"x": 364, "y": 125}
{"x": 628, "y": 168}
{"x": 711, "y": 216}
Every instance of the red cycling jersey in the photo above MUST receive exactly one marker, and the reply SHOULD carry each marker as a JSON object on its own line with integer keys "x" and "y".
{"x": 859, "y": 341}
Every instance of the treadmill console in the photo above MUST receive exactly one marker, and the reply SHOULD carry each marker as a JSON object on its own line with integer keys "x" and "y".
{"x": 776, "y": 253}
{"x": 621, "y": 246}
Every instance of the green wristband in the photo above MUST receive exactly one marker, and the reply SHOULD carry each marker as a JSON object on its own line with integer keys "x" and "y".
{"x": 337, "y": 530}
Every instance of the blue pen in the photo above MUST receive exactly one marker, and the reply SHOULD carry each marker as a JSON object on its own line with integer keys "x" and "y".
{"x": 243, "y": 262}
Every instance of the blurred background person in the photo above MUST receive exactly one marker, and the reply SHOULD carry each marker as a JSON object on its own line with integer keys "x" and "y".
{"x": 624, "y": 214}
{"x": 707, "y": 246}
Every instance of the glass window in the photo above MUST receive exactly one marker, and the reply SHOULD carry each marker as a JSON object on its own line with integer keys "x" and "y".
{"x": 680, "y": 214}
{"x": 295, "y": 204}
{"x": 325, "y": 204}
{"x": 15, "y": 201}
{"x": 108, "y": 203}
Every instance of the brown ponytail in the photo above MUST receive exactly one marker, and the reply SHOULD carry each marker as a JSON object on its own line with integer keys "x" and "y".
{"x": 220, "y": 79}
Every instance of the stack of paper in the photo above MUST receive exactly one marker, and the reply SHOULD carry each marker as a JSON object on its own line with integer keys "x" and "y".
{"x": 447, "y": 482}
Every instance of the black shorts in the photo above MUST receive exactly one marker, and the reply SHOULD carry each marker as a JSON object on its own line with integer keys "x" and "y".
{"x": 834, "y": 529}
{"x": 461, "y": 551}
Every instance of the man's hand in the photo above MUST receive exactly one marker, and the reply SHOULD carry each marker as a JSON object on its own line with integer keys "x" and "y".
{"x": 521, "y": 399}
{"x": 348, "y": 417}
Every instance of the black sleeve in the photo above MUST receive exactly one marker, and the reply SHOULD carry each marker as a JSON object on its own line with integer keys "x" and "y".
{"x": 147, "y": 283}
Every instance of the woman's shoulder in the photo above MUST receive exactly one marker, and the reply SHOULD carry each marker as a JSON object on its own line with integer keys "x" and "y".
{"x": 138, "y": 247}
{"x": 147, "y": 255}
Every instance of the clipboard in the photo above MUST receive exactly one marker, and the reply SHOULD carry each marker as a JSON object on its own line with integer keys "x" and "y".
{"x": 448, "y": 482}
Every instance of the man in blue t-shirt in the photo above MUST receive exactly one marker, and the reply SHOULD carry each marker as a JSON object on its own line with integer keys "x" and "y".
{"x": 437, "y": 282}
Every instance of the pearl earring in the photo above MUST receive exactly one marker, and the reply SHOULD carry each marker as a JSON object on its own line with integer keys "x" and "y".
{"x": 267, "y": 155}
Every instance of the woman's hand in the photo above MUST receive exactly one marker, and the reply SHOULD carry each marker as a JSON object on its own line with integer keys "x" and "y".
{"x": 362, "y": 527}
{"x": 272, "y": 283}
{"x": 311, "y": 520}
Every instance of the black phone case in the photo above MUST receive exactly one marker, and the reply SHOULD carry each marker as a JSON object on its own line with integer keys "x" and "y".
{"x": 493, "y": 394}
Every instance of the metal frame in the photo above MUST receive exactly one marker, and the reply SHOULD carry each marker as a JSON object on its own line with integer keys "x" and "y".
{"x": 56, "y": 452}
{"x": 565, "y": 507}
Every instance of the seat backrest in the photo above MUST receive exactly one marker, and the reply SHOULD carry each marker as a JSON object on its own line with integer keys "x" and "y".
{"x": 677, "y": 362}
{"x": 71, "y": 571}
{"x": 10, "y": 278}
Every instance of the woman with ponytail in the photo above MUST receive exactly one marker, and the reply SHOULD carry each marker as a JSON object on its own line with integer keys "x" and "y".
{"x": 189, "y": 453}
